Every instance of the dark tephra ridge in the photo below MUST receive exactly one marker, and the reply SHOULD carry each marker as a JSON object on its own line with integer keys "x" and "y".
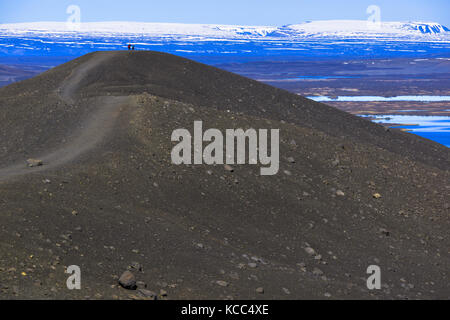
{"x": 349, "y": 193}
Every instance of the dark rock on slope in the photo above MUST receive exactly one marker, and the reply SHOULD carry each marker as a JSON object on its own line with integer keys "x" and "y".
{"x": 108, "y": 195}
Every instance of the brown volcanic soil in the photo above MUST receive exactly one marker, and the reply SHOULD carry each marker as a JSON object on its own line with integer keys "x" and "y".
{"x": 102, "y": 124}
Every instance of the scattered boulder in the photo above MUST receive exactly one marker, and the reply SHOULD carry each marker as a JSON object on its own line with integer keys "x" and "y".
{"x": 317, "y": 272}
{"x": 340, "y": 193}
{"x": 163, "y": 293}
{"x": 34, "y": 163}
{"x": 136, "y": 266}
{"x": 222, "y": 283}
{"x": 228, "y": 168}
{"x": 260, "y": 290}
{"x": 147, "y": 294}
{"x": 335, "y": 162}
{"x": 128, "y": 281}
{"x": 377, "y": 195}
{"x": 384, "y": 232}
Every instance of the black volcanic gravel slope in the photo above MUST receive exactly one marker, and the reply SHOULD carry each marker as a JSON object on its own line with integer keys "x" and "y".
{"x": 116, "y": 202}
{"x": 190, "y": 82}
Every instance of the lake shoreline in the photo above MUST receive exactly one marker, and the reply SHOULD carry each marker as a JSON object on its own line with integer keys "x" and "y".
{"x": 436, "y": 128}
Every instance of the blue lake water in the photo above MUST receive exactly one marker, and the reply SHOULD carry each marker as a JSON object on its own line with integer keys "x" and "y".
{"x": 436, "y": 128}
{"x": 204, "y": 50}
{"x": 303, "y": 78}
{"x": 382, "y": 99}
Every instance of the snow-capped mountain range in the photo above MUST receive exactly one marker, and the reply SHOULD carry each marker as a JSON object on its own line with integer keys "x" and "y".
{"x": 365, "y": 29}
{"x": 342, "y": 29}
{"x": 338, "y": 38}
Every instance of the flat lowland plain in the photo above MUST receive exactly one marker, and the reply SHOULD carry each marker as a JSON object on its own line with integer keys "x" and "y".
{"x": 349, "y": 193}
{"x": 385, "y": 77}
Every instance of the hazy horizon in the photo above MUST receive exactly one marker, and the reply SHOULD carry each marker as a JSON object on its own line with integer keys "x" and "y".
{"x": 249, "y": 25}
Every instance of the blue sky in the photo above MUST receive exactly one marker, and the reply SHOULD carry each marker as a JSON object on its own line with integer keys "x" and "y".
{"x": 244, "y": 12}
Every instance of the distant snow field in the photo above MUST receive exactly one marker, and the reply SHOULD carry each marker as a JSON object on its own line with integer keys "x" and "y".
{"x": 380, "y": 99}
